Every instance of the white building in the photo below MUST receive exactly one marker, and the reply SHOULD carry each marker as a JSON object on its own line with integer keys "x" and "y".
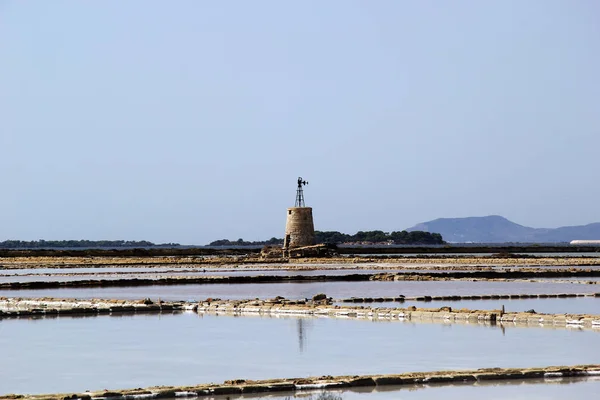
{"x": 585, "y": 242}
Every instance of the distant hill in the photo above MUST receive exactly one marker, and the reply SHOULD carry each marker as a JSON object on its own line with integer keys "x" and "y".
{"x": 497, "y": 229}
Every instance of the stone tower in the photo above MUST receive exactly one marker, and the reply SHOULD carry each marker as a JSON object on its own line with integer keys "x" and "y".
{"x": 299, "y": 227}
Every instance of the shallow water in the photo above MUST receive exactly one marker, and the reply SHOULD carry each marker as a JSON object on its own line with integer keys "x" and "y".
{"x": 550, "y": 389}
{"x": 68, "y": 354}
{"x": 301, "y": 290}
{"x": 109, "y": 274}
{"x": 577, "y": 305}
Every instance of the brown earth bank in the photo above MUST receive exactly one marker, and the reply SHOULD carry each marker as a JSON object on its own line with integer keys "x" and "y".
{"x": 238, "y": 387}
{"x": 45, "y": 261}
{"x": 357, "y": 277}
{"x": 265, "y": 269}
{"x": 181, "y": 280}
{"x": 427, "y": 298}
{"x": 150, "y": 252}
{"x": 501, "y": 250}
{"x": 166, "y": 269}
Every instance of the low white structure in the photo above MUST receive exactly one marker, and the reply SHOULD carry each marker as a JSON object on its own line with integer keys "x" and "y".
{"x": 586, "y": 242}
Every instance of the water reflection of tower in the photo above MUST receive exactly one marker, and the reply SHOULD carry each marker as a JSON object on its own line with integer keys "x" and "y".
{"x": 301, "y": 325}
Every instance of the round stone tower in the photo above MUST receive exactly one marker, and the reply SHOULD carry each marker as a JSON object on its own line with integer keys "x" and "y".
{"x": 299, "y": 227}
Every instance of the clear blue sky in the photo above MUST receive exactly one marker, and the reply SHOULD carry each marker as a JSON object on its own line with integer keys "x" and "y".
{"x": 190, "y": 121}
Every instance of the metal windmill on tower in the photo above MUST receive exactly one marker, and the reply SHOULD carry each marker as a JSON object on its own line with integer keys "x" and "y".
{"x": 300, "y": 193}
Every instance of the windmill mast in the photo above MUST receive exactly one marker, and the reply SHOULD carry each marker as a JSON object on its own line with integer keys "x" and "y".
{"x": 300, "y": 193}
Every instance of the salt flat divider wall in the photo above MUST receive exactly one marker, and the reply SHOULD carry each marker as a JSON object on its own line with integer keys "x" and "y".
{"x": 239, "y": 387}
{"x": 9, "y": 308}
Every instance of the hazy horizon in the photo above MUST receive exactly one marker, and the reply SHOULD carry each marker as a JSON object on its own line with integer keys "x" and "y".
{"x": 189, "y": 122}
{"x": 280, "y": 236}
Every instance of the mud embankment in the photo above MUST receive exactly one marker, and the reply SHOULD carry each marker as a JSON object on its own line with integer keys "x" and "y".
{"x": 183, "y": 281}
{"x": 253, "y": 261}
{"x": 48, "y": 307}
{"x": 141, "y": 269}
{"x": 238, "y": 387}
{"x": 401, "y": 299}
{"x": 507, "y": 274}
{"x": 43, "y": 261}
{"x": 202, "y": 280}
{"x": 319, "y": 306}
{"x": 150, "y": 252}
{"x": 280, "y": 306}
{"x": 498, "y": 251}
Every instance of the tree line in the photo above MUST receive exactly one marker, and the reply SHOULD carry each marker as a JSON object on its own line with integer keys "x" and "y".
{"x": 241, "y": 242}
{"x": 334, "y": 237}
{"x": 401, "y": 237}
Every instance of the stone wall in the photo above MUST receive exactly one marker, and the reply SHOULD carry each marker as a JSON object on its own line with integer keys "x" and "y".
{"x": 280, "y": 307}
{"x": 299, "y": 227}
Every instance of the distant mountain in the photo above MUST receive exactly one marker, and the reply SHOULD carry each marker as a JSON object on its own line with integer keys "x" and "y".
{"x": 497, "y": 229}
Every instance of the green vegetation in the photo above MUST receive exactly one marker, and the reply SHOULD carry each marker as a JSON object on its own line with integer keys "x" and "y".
{"x": 334, "y": 237}
{"x": 241, "y": 242}
{"x": 330, "y": 237}
{"x": 403, "y": 237}
{"x": 79, "y": 244}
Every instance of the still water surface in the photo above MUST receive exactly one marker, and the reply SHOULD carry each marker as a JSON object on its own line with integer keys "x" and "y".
{"x": 124, "y": 273}
{"x": 68, "y": 354}
{"x": 111, "y": 275}
{"x": 300, "y": 290}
